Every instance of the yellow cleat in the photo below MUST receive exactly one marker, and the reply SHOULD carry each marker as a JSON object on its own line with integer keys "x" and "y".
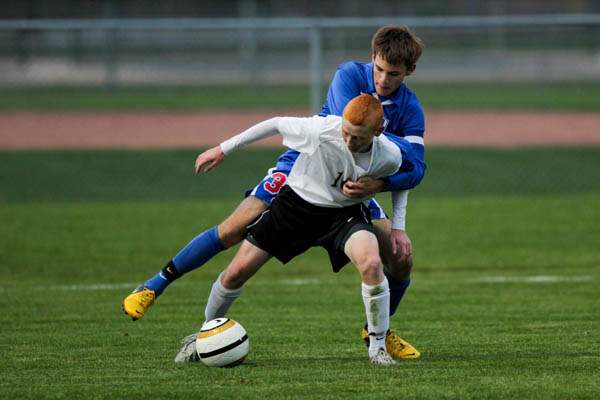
{"x": 395, "y": 345}
{"x": 138, "y": 302}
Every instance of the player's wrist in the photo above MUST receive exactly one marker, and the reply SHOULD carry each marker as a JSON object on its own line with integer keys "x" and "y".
{"x": 385, "y": 181}
{"x": 226, "y": 148}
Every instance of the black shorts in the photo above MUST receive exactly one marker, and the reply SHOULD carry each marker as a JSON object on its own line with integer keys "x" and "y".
{"x": 291, "y": 225}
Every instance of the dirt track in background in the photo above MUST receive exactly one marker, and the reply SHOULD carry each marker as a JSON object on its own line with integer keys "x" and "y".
{"x": 28, "y": 130}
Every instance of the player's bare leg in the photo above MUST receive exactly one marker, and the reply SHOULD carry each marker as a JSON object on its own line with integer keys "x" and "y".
{"x": 363, "y": 251}
{"x": 233, "y": 229}
{"x": 397, "y": 268}
{"x": 228, "y": 287}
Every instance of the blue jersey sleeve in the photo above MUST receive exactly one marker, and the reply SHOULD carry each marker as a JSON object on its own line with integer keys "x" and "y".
{"x": 414, "y": 120}
{"x": 412, "y": 169}
{"x": 342, "y": 89}
{"x": 413, "y": 149}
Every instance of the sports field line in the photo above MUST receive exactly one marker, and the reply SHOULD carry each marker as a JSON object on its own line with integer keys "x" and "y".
{"x": 533, "y": 279}
{"x": 115, "y": 286}
{"x": 308, "y": 281}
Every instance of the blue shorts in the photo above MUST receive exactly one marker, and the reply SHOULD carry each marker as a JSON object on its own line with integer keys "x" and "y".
{"x": 275, "y": 179}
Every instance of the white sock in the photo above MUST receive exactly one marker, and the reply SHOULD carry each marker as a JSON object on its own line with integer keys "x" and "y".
{"x": 220, "y": 300}
{"x": 377, "y": 308}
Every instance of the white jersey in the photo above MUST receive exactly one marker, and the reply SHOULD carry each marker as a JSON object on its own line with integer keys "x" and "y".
{"x": 325, "y": 163}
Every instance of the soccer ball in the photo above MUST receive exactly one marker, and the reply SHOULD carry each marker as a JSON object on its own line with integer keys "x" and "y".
{"x": 222, "y": 342}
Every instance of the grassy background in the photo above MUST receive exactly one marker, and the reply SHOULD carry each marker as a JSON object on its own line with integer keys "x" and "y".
{"x": 167, "y": 175}
{"x": 574, "y": 96}
{"x": 504, "y": 301}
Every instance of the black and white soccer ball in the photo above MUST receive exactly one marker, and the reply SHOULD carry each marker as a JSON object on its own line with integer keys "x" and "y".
{"x": 222, "y": 342}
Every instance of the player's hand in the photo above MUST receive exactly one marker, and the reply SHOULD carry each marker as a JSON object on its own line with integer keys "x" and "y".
{"x": 209, "y": 159}
{"x": 401, "y": 245}
{"x": 363, "y": 187}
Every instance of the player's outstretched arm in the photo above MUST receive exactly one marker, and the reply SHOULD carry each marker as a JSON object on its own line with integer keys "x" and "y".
{"x": 300, "y": 134}
{"x": 213, "y": 157}
{"x": 209, "y": 159}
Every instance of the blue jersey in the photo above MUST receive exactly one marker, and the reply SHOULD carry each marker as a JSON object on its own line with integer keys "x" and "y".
{"x": 403, "y": 114}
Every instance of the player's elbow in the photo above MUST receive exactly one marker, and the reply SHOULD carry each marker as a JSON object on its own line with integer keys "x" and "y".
{"x": 410, "y": 179}
{"x": 419, "y": 173}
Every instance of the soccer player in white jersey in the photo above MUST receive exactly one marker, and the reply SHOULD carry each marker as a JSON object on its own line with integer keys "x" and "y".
{"x": 395, "y": 52}
{"x": 312, "y": 210}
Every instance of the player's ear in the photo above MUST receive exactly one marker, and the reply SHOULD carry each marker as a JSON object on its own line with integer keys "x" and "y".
{"x": 373, "y": 57}
{"x": 411, "y": 69}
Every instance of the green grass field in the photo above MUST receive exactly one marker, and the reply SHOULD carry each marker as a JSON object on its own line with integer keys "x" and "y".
{"x": 504, "y": 301}
{"x": 574, "y": 96}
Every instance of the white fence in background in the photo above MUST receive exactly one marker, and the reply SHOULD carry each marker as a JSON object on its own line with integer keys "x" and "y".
{"x": 277, "y": 51}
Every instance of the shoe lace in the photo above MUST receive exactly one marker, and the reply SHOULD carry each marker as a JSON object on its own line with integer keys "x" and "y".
{"x": 147, "y": 299}
{"x": 395, "y": 340}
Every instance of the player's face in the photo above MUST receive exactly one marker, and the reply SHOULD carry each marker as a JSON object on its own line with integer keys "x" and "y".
{"x": 387, "y": 77}
{"x": 358, "y": 139}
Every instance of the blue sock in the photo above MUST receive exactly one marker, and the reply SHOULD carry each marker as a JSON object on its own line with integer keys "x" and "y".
{"x": 397, "y": 290}
{"x": 160, "y": 281}
{"x": 201, "y": 249}
{"x": 197, "y": 252}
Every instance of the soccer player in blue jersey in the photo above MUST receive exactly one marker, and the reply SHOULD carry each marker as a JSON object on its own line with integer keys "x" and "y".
{"x": 395, "y": 51}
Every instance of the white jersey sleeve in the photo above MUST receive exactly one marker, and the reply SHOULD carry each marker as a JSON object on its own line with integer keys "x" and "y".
{"x": 257, "y": 132}
{"x": 389, "y": 157}
{"x": 301, "y": 134}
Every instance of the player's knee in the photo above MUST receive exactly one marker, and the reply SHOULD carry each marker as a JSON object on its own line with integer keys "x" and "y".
{"x": 233, "y": 278}
{"x": 231, "y": 233}
{"x": 371, "y": 269}
{"x": 233, "y": 230}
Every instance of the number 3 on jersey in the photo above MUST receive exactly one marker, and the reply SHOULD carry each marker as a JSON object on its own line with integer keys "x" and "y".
{"x": 274, "y": 185}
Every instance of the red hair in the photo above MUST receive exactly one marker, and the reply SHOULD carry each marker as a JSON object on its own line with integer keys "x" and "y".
{"x": 364, "y": 110}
